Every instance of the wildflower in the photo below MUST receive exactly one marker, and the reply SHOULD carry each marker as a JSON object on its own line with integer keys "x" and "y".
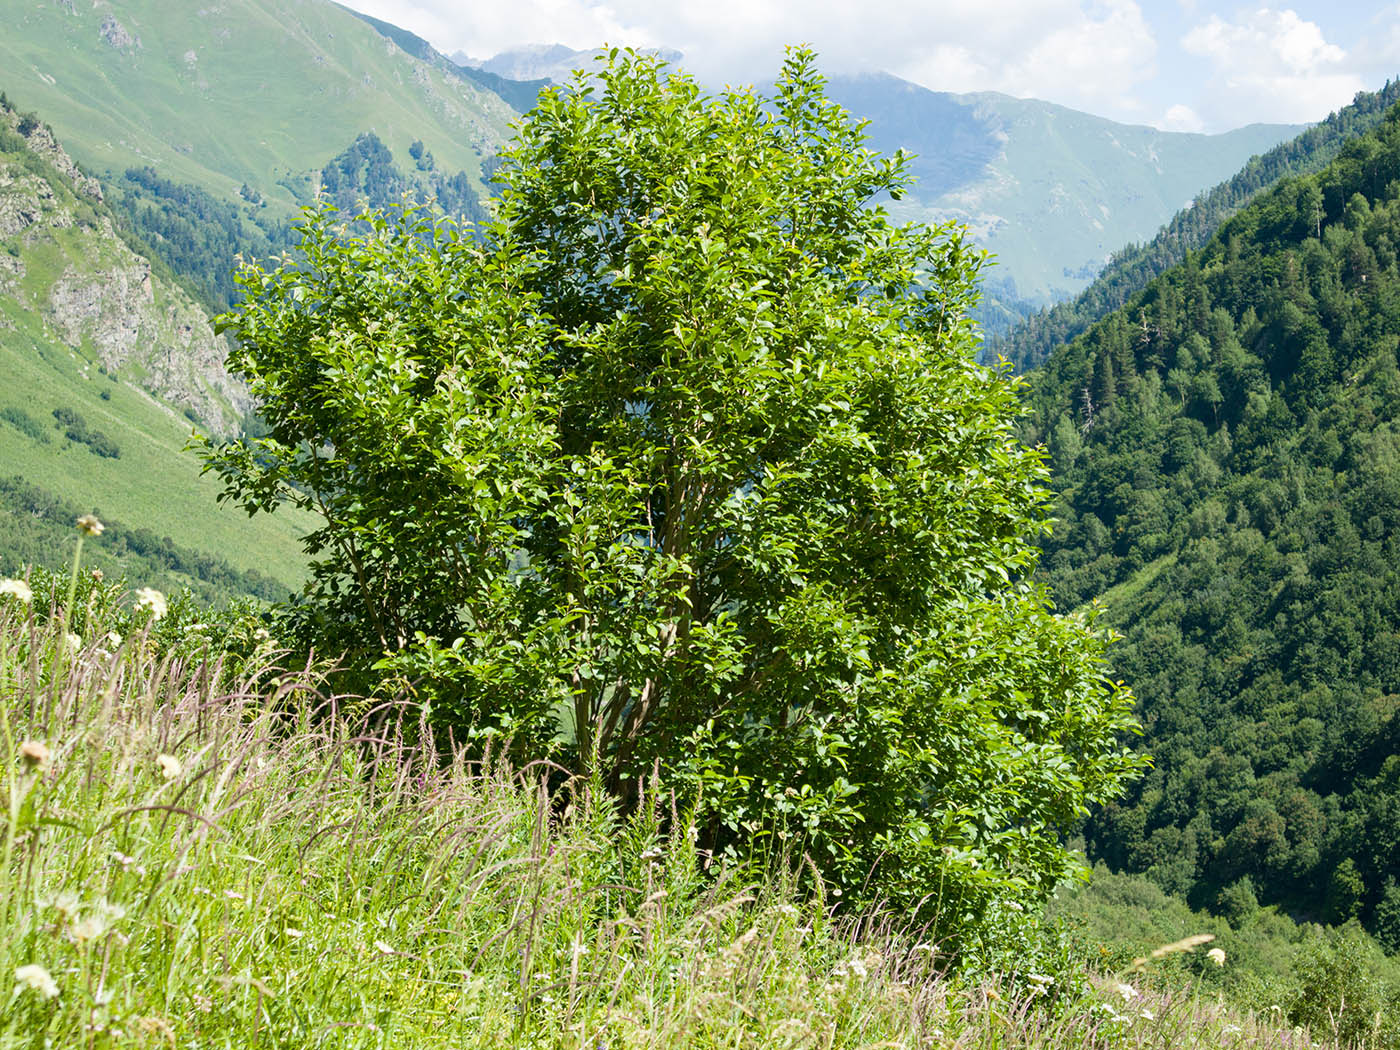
{"x": 36, "y": 754}
{"x": 294, "y": 933}
{"x": 1127, "y": 991}
{"x": 383, "y": 948}
{"x": 170, "y": 767}
{"x": 88, "y": 525}
{"x": 1147, "y": 1015}
{"x": 96, "y": 575}
{"x": 18, "y": 588}
{"x": 150, "y": 598}
{"x": 65, "y": 903}
{"x": 88, "y": 928}
{"x": 36, "y": 977}
{"x": 1217, "y": 956}
{"x": 261, "y": 635}
{"x": 75, "y": 641}
{"x": 113, "y": 639}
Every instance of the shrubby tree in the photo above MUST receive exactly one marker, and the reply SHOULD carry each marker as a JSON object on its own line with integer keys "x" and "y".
{"x": 683, "y": 468}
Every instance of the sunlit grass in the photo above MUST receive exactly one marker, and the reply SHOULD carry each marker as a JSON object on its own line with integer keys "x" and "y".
{"x": 203, "y": 851}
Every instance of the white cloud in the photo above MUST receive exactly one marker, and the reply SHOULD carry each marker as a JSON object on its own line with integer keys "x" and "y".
{"x": 1181, "y": 118}
{"x": 1083, "y": 53}
{"x": 1270, "y": 65}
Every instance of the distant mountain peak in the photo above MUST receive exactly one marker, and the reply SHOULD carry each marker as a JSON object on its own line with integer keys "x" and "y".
{"x": 555, "y": 62}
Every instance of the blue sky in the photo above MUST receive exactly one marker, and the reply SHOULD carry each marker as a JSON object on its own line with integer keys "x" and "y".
{"x": 1189, "y": 65}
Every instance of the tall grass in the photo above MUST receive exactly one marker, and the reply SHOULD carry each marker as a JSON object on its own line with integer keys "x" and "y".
{"x": 202, "y": 856}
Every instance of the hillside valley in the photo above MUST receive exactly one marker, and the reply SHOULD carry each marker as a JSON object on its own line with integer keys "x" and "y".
{"x": 107, "y": 366}
{"x": 1224, "y": 449}
{"x": 722, "y": 489}
{"x": 136, "y": 83}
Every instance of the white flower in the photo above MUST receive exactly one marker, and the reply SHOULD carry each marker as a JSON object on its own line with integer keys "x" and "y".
{"x": 150, "y": 598}
{"x": 384, "y": 949}
{"x": 113, "y": 639}
{"x": 36, "y": 977}
{"x": 1147, "y": 1015}
{"x": 75, "y": 642}
{"x": 88, "y": 525}
{"x": 1217, "y": 956}
{"x": 18, "y": 588}
{"x": 1127, "y": 991}
{"x": 170, "y": 767}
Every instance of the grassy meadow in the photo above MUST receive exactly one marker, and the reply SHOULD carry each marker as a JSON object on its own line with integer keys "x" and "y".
{"x": 202, "y": 849}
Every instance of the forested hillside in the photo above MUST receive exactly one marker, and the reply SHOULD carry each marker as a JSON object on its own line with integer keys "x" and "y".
{"x": 1227, "y": 447}
{"x": 1128, "y": 272}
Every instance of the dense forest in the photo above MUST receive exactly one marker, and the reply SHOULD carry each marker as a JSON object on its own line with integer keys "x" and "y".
{"x": 1227, "y": 449}
{"x": 1131, "y": 268}
{"x": 198, "y": 236}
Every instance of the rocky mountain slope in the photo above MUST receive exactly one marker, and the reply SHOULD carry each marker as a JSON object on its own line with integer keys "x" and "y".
{"x": 66, "y": 273}
{"x": 106, "y": 364}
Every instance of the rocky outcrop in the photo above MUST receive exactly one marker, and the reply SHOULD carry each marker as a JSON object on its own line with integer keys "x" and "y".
{"x": 105, "y": 299}
{"x": 116, "y": 35}
{"x": 42, "y": 141}
{"x": 164, "y": 339}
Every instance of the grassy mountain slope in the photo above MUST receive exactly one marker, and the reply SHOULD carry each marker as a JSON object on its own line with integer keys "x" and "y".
{"x": 1031, "y": 341}
{"x": 1227, "y": 448}
{"x": 245, "y": 91}
{"x": 105, "y": 365}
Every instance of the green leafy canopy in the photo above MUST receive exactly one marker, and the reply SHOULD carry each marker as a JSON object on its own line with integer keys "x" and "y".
{"x": 685, "y": 466}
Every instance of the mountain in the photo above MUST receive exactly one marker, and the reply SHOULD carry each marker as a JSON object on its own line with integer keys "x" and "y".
{"x": 240, "y": 93}
{"x": 1133, "y": 266}
{"x": 106, "y": 364}
{"x": 1227, "y": 451}
{"x": 1050, "y": 191}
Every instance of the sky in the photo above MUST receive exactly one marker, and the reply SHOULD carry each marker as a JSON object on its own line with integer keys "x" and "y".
{"x": 1181, "y": 65}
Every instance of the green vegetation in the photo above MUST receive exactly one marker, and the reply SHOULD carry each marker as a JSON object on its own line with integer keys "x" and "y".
{"x": 1335, "y": 980}
{"x": 200, "y": 849}
{"x": 365, "y": 173}
{"x": 689, "y": 467}
{"x": 154, "y": 486}
{"x": 1131, "y": 268}
{"x": 1232, "y": 432}
{"x": 197, "y": 235}
{"x": 76, "y": 429}
{"x": 162, "y": 85}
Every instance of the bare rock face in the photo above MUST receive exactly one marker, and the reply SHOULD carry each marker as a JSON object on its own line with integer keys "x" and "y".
{"x": 23, "y": 201}
{"x": 165, "y": 338}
